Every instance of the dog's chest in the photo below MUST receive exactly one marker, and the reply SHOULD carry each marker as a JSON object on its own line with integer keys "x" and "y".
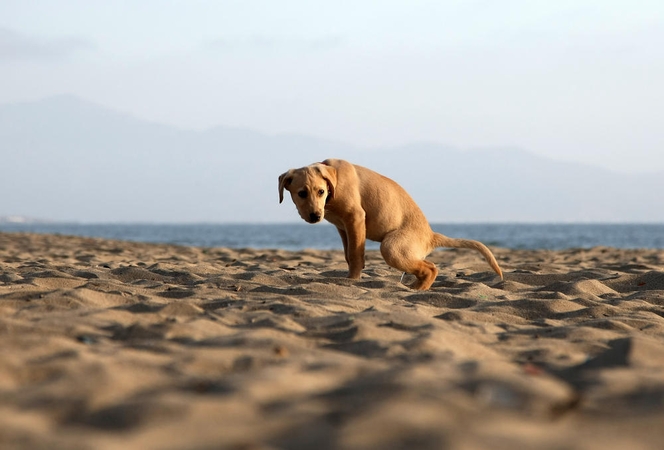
{"x": 334, "y": 218}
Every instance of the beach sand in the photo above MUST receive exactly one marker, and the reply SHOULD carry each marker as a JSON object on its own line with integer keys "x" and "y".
{"x": 117, "y": 345}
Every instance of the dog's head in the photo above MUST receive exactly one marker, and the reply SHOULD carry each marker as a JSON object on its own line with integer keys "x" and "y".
{"x": 311, "y": 187}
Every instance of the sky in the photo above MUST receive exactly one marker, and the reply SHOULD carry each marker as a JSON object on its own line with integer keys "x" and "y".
{"x": 579, "y": 80}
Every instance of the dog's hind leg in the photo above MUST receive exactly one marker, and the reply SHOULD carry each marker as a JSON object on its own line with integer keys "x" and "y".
{"x": 408, "y": 258}
{"x": 426, "y": 273}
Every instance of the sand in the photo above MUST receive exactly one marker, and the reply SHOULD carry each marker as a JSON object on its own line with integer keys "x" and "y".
{"x": 116, "y": 345}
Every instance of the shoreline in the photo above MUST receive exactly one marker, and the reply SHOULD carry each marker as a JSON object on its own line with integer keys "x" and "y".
{"x": 297, "y": 236}
{"x": 115, "y": 344}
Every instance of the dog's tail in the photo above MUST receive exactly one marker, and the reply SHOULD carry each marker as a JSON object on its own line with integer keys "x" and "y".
{"x": 440, "y": 240}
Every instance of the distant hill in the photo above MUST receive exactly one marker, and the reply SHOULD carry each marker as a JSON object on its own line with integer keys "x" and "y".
{"x": 68, "y": 159}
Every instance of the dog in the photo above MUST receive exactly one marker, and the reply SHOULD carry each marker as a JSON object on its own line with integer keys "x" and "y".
{"x": 363, "y": 204}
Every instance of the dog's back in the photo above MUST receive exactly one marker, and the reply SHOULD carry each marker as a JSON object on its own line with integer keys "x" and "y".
{"x": 386, "y": 204}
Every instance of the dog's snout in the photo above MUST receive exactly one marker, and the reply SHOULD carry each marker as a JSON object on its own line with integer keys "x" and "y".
{"x": 314, "y": 217}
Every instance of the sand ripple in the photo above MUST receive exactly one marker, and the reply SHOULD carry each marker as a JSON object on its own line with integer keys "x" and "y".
{"x": 115, "y": 345}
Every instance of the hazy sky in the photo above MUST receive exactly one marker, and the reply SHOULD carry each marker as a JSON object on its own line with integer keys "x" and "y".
{"x": 577, "y": 80}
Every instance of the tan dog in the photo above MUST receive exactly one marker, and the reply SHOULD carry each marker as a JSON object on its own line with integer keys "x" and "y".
{"x": 363, "y": 205}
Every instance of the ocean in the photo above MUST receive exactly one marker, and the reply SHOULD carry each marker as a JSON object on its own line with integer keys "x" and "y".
{"x": 324, "y": 236}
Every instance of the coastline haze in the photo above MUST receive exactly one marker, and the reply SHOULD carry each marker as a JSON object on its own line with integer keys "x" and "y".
{"x": 73, "y": 160}
{"x": 571, "y": 81}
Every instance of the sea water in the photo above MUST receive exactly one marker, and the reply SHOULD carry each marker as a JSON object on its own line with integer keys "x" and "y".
{"x": 324, "y": 236}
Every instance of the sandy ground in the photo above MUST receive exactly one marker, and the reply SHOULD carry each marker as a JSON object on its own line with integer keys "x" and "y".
{"x": 115, "y": 345}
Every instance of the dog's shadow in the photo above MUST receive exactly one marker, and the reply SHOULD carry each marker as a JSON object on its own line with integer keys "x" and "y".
{"x": 368, "y": 280}
{"x": 336, "y": 274}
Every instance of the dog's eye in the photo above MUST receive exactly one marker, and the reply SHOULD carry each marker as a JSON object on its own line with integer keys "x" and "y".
{"x": 321, "y": 192}
{"x": 302, "y": 194}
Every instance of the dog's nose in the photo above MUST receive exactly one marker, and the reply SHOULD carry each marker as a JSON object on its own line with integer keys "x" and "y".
{"x": 314, "y": 217}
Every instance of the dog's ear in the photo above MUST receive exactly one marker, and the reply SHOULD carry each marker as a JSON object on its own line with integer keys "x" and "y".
{"x": 330, "y": 175}
{"x": 285, "y": 180}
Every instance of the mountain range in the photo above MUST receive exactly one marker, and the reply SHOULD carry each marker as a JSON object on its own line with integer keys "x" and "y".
{"x": 67, "y": 159}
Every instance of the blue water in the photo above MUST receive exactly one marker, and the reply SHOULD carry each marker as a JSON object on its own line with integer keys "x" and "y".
{"x": 324, "y": 236}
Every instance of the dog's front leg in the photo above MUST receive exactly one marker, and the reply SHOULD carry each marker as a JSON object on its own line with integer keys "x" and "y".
{"x": 344, "y": 241}
{"x": 356, "y": 235}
